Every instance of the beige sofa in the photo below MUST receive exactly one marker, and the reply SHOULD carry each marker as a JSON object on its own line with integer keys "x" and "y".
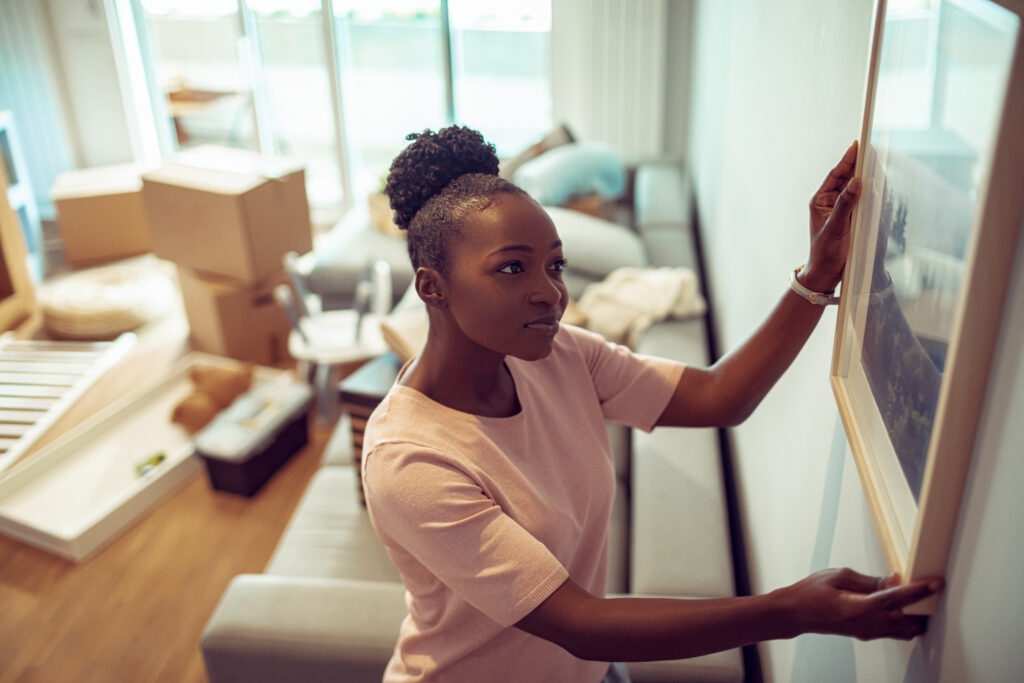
{"x": 329, "y": 603}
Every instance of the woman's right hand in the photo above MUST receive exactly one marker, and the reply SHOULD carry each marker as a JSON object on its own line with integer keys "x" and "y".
{"x": 845, "y": 602}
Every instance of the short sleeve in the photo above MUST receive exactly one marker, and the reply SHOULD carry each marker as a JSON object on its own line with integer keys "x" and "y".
{"x": 423, "y": 504}
{"x": 633, "y": 388}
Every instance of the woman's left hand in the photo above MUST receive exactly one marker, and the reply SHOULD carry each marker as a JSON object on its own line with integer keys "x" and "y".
{"x": 845, "y": 602}
{"x": 831, "y": 208}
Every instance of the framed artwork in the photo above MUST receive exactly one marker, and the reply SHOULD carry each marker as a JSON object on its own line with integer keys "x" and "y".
{"x": 934, "y": 236}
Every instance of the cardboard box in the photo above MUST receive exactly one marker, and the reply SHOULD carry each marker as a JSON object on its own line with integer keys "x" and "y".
{"x": 239, "y": 322}
{"x": 227, "y": 212}
{"x": 100, "y": 214}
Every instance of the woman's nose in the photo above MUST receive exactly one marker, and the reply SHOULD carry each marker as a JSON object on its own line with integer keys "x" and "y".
{"x": 547, "y": 289}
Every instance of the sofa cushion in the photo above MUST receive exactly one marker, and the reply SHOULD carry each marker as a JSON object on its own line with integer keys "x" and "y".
{"x": 617, "y": 580}
{"x": 338, "y": 449}
{"x": 571, "y": 170}
{"x": 670, "y": 245}
{"x": 682, "y": 340}
{"x": 619, "y": 530}
{"x": 269, "y": 629}
{"x": 595, "y": 246}
{"x": 330, "y": 535}
{"x": 717, "y": 667}
{"x": 680, "y": 527}
{"x": 677, "y": 475}
{"x": 661, "y": 196}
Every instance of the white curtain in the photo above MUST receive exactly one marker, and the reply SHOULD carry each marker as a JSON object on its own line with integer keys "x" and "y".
{"x": 28, "y": 87}
{"x": 609, "y": 61}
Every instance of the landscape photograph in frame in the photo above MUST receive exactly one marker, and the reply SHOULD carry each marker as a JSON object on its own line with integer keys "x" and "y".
{"x": 933, "y": 238}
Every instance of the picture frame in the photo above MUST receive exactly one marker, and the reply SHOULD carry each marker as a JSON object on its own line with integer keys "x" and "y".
{"x": 941, "y": 156}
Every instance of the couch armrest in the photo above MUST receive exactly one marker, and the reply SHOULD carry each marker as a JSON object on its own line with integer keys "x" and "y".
{"x": 279, "y": 628}
{"x": 661, "y": 195}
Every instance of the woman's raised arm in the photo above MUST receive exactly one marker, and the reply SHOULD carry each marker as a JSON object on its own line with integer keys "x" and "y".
{"x": 728, "y": 392}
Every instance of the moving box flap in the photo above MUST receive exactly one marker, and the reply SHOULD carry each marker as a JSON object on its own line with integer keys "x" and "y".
{"x": 222, "y": 170}
{"x": 98, "y": 181}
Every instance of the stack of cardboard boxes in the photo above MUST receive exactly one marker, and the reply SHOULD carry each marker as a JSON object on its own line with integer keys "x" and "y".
{"x": 226, "y": 218}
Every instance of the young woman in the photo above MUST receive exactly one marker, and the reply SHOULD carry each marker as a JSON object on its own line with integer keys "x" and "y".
{"x": 487, "y": 470}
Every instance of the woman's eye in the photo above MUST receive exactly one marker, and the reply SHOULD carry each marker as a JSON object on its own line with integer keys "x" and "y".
{"x": 512, "y": 268}
{"x": 559, "y": 265}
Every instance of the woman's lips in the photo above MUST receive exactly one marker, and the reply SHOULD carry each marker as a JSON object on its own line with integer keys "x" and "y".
{"x": 546, "y": 326}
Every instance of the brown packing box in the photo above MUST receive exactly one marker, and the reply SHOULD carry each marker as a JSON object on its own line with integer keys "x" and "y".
{"x": 227, "y": 212}
{"x": 242, "y": 322}
{"x": 100, "y": 214}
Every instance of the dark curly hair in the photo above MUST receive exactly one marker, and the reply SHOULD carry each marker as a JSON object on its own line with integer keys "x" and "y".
{"x": 436, "y": 182}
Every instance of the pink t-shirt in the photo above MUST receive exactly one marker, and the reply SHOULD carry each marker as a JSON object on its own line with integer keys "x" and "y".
{"x": 485, "y": 517}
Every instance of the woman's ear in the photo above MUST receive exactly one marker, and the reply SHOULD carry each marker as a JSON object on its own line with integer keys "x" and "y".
{"x": 431, "y": 287}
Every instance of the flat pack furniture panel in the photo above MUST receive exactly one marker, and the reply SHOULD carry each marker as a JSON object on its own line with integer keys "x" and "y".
{"x": 41, "y": 380}
{"x": 80, "y": 492}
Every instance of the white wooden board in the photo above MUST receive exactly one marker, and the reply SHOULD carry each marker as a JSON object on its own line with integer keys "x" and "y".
{"x": 80, "y": 492}
{"x": 41, "y": 380}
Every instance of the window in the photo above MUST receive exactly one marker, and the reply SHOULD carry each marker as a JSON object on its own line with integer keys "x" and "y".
{"x": 500, "y": 65}
{"x": 391, "y": 55}
{"x": 197, "y": 48}
{"x": 297, "y": 85}
{"x": 270, "y": 75}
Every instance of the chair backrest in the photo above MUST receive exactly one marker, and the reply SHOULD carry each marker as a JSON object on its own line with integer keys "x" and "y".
{"x": 283, "y": 297}
{"x": 306, "y": 302}
{"x": 382, "y": 295}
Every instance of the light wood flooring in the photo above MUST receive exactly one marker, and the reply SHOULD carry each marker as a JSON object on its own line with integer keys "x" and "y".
{"x": 135, "y": 611}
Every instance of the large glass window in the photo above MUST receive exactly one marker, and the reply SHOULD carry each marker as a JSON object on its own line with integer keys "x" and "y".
{"x": 501, "y": 69}
{"x": 257, "y": 74}
{"x": 198, "y": 50}
{"x": 297, "y": 88}
{"x": 393, "y": 79}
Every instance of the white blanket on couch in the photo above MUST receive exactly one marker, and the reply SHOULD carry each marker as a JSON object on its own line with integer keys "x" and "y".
{"x": 623, "y": 305}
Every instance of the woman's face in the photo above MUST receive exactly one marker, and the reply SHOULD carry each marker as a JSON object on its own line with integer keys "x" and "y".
{"x": 505, "y": 289}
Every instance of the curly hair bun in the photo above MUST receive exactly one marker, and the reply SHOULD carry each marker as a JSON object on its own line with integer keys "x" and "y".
{"x": 432, "y": 161}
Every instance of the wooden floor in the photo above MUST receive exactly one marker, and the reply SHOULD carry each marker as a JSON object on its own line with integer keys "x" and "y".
{"x": 135, "y": 611}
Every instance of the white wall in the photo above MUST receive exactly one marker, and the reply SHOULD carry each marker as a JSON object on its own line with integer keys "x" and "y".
{"x": 777, "y": 94}
{"x": 86, "y": 55}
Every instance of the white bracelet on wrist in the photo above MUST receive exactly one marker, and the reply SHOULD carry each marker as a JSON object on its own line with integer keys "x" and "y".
{"x": 817, "y": 298}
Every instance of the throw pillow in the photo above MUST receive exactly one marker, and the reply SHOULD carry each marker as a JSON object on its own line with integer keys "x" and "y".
{"x": 596, "y": 246}
{"x": 570, "y": 170}
{"x": 557, "y": 136}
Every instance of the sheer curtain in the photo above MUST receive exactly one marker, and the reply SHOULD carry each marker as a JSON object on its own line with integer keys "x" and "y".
{"x": 609, "y": 72}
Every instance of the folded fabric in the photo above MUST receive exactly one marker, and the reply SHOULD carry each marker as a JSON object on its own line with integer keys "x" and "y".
{"x": 627, "y": 302}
